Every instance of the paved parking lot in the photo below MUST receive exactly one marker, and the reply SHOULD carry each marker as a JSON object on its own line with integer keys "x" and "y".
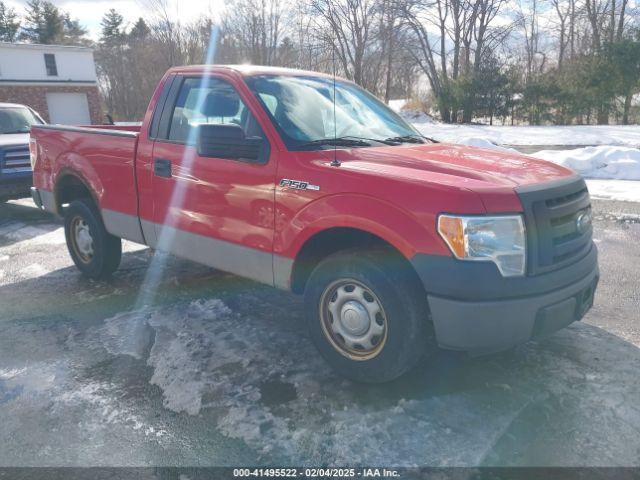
{"x": 183, "y": 365}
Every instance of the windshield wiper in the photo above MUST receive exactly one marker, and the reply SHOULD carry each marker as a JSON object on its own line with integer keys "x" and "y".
{"x": 340, "y": 142}
{"x": 413, "y": 138}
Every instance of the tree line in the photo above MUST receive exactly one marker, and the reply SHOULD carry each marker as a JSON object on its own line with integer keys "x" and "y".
{"x": 512, "y": 61}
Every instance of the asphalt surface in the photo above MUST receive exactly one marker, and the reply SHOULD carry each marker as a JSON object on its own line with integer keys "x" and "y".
{"x": 172, "y": 363}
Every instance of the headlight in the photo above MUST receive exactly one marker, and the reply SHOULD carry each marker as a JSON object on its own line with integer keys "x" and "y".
{"x": 497, "y": 239}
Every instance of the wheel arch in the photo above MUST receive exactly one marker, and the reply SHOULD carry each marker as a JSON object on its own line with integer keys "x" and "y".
{"x": 71, "y": 186}
{"x": 339, "y": 239}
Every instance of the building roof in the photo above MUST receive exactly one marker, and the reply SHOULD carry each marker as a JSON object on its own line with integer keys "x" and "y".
{"x": 40, "y": 46}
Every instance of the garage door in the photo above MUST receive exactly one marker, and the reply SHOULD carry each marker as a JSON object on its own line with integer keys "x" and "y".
{"x": 68, "y": 108}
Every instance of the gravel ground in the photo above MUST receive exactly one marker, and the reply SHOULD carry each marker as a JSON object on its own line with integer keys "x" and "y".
{"x": 210, "y": 369}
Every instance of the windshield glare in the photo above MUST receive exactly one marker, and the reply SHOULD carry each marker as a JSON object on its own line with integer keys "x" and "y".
{"x": 302, "y": 109}
{"x": 17, "y": 120}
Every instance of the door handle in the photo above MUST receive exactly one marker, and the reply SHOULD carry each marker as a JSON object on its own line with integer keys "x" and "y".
{"x": 162, "y": 167}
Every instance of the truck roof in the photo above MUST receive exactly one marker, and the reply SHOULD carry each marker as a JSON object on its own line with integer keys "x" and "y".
{"x": 248, "y": 70}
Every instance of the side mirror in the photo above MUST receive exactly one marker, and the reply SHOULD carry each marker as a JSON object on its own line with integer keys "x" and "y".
{"x": 229, "y": 141}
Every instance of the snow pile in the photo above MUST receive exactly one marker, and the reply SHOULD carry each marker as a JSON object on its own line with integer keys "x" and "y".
{"x": 605, "y": 162}
{"x": 417, "y": 116}
{"x": 409, "y": 114}
{"x": 575, "y": 135}
{"x": 397, "y": 105}
{"x": 480, "y": 142}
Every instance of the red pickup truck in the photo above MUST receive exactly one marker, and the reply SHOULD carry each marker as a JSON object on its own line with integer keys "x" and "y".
{"x": 310, "y": 184}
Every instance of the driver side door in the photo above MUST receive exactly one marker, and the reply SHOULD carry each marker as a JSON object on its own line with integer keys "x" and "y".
{"x": 216, "y": 211}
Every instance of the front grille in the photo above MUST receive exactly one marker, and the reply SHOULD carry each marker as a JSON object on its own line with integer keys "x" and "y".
{"x": 15, "y": 160}
{"x": 557, "y": 218}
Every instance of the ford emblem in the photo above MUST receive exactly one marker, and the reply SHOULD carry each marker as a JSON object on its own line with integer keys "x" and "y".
{"x": 583, "y": 222}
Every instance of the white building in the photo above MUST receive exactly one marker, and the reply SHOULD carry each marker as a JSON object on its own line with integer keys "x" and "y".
{"x": 57, "y": 81}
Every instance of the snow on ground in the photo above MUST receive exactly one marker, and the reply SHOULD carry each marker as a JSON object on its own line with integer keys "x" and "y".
{"x": 480, "y": 142}
{"x": 397, "y": 105}
{"x": 612, "y": 167}
{"x": 623, "y": 190}
{"x": 578, "y": 135}
{"x": 605, "y": 162}
{"x": 411, "y": 115}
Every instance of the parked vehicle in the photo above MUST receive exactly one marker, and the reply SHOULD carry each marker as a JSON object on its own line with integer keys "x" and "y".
{"x": 396, "y": 242}
{"x": 15, "y": 168}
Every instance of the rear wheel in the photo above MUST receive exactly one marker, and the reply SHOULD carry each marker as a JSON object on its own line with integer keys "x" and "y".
{"x": 367, "y": 315}
{"x": 95, "y": 252}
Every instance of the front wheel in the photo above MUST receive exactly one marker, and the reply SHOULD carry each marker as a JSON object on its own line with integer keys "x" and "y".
{"x": 367, "y": 315}
{"x": 95, "y": 251}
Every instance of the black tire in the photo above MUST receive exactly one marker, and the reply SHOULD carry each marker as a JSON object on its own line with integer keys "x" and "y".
{"x": 407, "y": 334}
{"x": 106, "y": 249}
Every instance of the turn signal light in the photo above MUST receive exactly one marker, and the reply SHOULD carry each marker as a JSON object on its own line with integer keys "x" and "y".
{"x": 452, "y": 231}
{"x": 33, "y": 152}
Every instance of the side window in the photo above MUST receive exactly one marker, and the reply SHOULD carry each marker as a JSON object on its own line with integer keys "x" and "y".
{"x": 270, "y": 101}
{"x": 205, "y": 102}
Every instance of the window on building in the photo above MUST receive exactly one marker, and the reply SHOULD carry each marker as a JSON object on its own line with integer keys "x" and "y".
{"x": 50, "y": 64}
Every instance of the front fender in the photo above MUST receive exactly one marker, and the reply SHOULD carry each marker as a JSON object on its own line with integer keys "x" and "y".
{"x": 388, "y": 221}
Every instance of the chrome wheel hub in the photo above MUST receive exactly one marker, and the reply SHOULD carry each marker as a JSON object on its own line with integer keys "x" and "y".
{"x": 82, "y": 239}
{"x": 353, "y": 319}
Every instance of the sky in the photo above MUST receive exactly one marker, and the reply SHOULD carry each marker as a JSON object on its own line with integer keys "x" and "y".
{"x": 90, "y": 12}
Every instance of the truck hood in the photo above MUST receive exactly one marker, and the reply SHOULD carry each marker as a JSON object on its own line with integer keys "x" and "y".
{"x": 14, "y": 139}
{"x": 478, "y": 169}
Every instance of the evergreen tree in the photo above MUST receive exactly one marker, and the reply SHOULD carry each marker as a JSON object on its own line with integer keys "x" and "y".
{"x": 140, "y": 30}
{"x": 624, "y": 60}
{"x": 47, "y": 24}
{"x": 73, "y": 32}
{"x": 43, "y": 23}
{"x": 112, "y": 31}
{"x": 9, "y": 24}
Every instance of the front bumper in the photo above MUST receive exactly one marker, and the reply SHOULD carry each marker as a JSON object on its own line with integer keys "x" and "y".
{"x": 483, "y": 317}
{"x": 15, "y": 188}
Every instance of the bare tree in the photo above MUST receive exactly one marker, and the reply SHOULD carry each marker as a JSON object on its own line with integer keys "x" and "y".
{"x": 348, "y": 28}
{"x": 256, "y": 29}
{"x": 464, "y": 24}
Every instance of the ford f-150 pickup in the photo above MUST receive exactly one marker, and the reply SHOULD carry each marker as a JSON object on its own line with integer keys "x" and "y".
{"x": 310, "y": 184}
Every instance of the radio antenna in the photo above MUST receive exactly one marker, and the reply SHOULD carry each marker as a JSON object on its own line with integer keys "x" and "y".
{"x": 335, "y": 162}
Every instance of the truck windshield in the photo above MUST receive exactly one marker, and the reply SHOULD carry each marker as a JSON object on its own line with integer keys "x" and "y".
{"x": 302, "y": 110}
{"x": 17, "y": 120}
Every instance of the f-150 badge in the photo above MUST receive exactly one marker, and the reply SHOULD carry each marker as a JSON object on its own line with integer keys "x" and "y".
{"x": 298, "y": 184}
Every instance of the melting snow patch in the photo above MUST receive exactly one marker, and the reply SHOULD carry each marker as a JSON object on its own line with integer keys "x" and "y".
{"x": 33, "y": 271}
{"x": 265, "y": 384}
{"x": 30, "y": 235}
{"x": 8, "y": 374}
{"x": 125, "y": 334}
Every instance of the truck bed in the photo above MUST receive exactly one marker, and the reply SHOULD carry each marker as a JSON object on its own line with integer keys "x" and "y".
{"x": 103, "y": 156}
